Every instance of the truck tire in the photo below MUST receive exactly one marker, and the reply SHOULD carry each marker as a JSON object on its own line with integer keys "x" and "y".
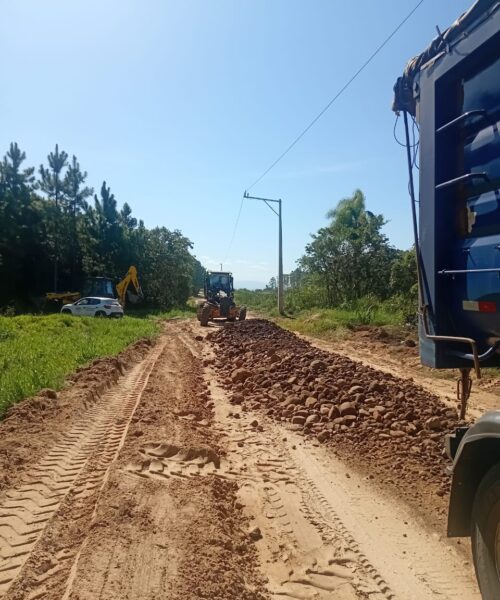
{"x": 485, "y": 529}
{"x": 205, "y": 315}
{"x": 243, "y": 314}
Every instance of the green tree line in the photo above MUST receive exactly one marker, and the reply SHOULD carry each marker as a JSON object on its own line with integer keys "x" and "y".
{"x": 55, "y": 231}
{"x": 349, "y": 263}
{"x": 353, "y": 257}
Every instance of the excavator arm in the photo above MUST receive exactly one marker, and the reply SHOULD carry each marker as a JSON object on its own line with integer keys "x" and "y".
{"x": 122, "y": 286}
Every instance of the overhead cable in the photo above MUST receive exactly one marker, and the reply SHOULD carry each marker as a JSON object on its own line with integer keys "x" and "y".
{"x": 337, "y": 95}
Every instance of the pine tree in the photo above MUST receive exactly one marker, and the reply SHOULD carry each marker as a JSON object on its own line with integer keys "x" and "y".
{"x": 18, "y": 223}
{"x": 52, "y": 183}
{"x": 76, "y": 194}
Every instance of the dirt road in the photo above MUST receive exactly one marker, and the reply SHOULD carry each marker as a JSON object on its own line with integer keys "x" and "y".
{"x": 160, "y": 476}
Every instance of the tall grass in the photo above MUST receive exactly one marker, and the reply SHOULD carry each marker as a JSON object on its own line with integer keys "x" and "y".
{"x": 185, "y": 312}
{"x": 334, "y": 322}
{"x": 263, "y": 300}
{"x": 317, "y": 320}
{"x": 40, "y": 351}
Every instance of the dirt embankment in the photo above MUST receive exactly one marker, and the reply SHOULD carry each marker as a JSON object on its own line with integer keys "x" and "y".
{"x": 32, "y": 426}
{"x": 389, "y": 427}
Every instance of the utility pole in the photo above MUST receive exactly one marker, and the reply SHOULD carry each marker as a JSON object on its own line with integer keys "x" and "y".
{"x": 281, "y": 298}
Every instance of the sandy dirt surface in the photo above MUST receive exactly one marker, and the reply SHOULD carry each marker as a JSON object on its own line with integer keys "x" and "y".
{"x": 181, "y": 480}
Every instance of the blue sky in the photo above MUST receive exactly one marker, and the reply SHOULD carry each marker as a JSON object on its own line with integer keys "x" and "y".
{"x": 181, "y": 105}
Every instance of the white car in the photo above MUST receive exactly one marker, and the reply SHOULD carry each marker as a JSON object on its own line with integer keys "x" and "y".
{"x": 94, "y": 307}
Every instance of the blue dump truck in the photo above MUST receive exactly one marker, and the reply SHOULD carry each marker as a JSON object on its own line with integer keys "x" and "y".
{"x": 449, "y": 99}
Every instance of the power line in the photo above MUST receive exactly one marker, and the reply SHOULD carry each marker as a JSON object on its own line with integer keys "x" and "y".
{"x": 230, "y": 245}
{"x": 337, "y": 95}
{"x": 317, "y": 117}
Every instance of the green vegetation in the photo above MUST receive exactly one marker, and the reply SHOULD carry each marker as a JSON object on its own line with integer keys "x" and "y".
{"x": 189, "y": 311}
{"x": 324, "y": 322}
{"x": 38, "y": 352}
{"x": 334, "y": 322}
{"x": 348, "y": 276}
{"x": 55, "y": 232}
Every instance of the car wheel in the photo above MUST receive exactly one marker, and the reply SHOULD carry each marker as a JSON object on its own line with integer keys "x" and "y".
{"x": 486, "y": 534}
{"x": 66, "y": 311}
{"x": 100, "y": 314}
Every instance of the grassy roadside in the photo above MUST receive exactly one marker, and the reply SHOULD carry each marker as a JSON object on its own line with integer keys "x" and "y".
{"x": 39, "y": 352}
{"x": 335, "y": 323}
{"x": 326, "y": 323}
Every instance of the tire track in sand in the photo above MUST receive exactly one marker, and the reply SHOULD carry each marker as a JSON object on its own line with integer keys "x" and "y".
{"x": 327, "y": 532}
{"x": 27, "y": 509}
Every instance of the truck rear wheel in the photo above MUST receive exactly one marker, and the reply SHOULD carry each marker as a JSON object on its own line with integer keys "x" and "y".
{"x": 486, "y": 534}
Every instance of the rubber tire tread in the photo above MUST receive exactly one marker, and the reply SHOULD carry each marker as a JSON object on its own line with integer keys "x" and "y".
{"x": 485, "y": 520}
{"x": 205, "y": 316}
{"x": 243, "y": 314}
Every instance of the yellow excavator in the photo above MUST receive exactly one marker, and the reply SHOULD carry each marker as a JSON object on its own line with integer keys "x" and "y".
{"x": 123, "y": 285}
{"x": 103, "y": 287}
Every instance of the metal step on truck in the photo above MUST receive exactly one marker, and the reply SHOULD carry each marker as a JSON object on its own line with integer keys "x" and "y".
{"x": 449, "y": 98}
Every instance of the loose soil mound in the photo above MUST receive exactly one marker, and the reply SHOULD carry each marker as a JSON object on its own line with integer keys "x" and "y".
{"x": 390, "y": 427}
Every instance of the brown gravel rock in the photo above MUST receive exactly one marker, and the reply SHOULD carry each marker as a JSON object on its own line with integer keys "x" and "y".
{"x": 240, "y": 375}
{"x": 333, "y": 413}
{"x": 385, "y": 422}
{"x": 347, "y": 408}
{"x": 323, "y": 436}
{"x": 356, "y": 389}
{"x": 314, "y": 418}
{"x": 434, "y": 423}
{"x": 317, "y": 364}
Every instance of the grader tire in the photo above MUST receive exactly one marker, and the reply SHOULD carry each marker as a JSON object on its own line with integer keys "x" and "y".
{"x": 205, "y": 316}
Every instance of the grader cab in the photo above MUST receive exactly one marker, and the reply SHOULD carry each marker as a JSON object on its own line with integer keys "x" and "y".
{"x": 219, "y": 299}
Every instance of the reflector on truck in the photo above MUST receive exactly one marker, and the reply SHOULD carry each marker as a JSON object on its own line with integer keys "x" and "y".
{"x": 480, "y": 306}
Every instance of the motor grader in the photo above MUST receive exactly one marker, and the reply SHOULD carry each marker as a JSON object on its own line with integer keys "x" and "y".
{"x": 219, "y": 299}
